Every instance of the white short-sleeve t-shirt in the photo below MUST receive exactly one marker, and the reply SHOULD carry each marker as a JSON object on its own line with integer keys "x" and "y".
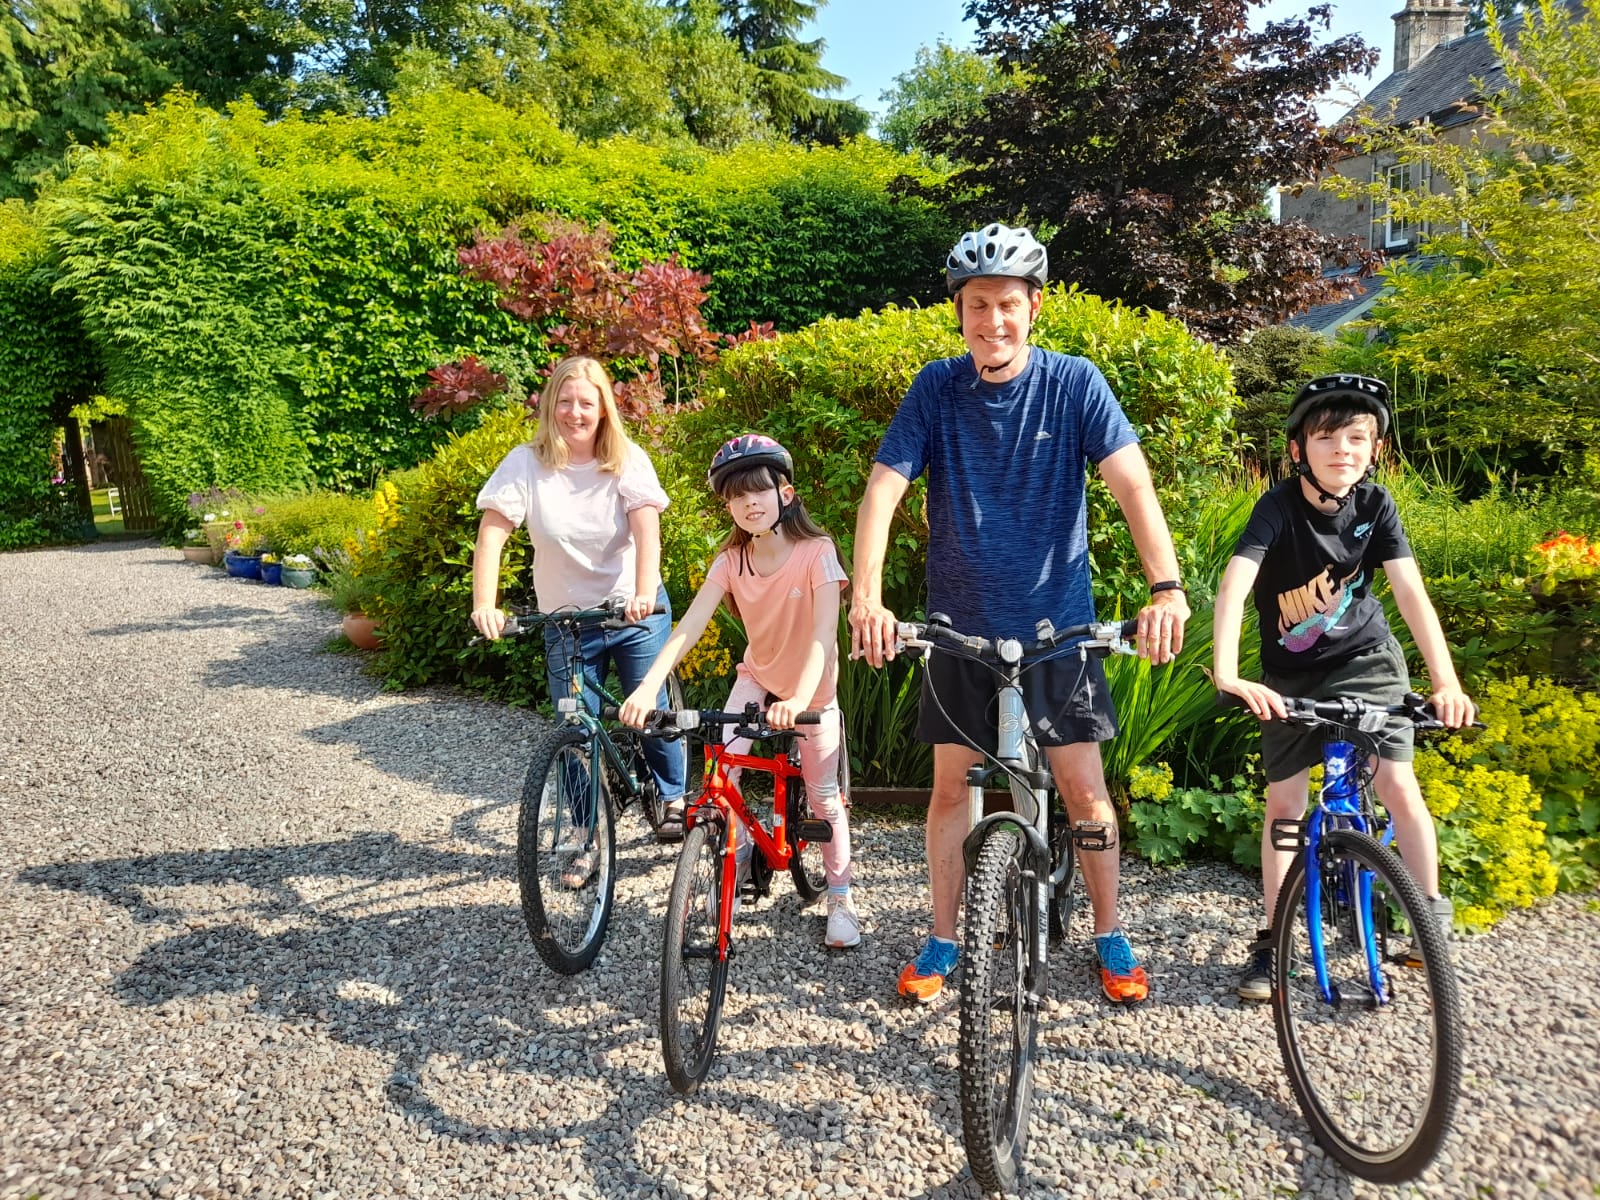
{"x": 577, "y": 519}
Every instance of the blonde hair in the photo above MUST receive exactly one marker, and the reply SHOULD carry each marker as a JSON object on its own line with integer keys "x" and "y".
{"x": 611, "y": 442}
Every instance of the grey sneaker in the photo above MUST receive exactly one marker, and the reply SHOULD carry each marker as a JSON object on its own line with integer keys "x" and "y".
{"x": 1444, "y": 915}
{"x": 1255, "y": 981}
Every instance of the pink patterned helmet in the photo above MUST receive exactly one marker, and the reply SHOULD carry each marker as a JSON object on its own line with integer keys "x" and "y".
{"x": 750, "y": 450}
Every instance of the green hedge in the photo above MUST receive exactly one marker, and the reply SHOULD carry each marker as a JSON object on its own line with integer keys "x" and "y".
{"x": 268, "y": 296}
{"x": 830, "y": 390}
{"x": 45, "y": 367}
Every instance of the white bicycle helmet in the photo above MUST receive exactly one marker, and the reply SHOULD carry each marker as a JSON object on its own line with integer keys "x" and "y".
{"x": 997, "y": 251}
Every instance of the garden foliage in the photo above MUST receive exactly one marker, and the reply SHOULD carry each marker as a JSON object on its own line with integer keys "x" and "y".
{"x": 267, "y": 297}
{"x": 1500, "y": 319}
{"x": 46, "y": 370}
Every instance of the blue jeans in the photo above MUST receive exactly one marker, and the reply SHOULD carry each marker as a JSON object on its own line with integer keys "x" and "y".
{"x": 631, "y": 650}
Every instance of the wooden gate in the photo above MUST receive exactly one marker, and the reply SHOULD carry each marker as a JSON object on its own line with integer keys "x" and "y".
{"x": 114, "y": 438}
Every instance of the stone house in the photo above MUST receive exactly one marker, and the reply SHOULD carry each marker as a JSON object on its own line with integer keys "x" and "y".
{"x": 1441, "y": 75}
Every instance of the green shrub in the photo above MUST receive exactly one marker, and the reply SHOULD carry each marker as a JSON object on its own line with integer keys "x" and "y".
{"x": 1172, "y": 824}
{"x": 1268, "y": 368}
{"x": 267, "y": 296}
{"x": 46, "y": 369}
{"x": 421, "y": 557}
{"x": 1551, "y": 734}
{"x": 315, "y": 523}
{"x": 830, "y": 390}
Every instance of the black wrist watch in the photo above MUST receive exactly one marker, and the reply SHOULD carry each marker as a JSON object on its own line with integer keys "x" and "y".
{"x": 1168, "y": 585}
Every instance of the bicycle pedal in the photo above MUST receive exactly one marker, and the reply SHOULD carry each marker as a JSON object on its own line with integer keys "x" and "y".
{"x": 1289, "y": 833}
{"x": 1093, "y": 835}
{"x": 814, "y": 829}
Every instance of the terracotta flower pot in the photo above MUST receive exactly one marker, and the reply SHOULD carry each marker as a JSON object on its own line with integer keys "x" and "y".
{"x": 362, "y": 631}
{"x": 202, "y": 554}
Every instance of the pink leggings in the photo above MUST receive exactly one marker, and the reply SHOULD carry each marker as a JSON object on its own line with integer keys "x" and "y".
{"x": 819, "y": 766}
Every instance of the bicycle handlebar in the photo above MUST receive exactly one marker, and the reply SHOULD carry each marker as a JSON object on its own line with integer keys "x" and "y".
{"x": 522, "y": 619}
{"x": 1106, "y": 637}
{"x": 1348, "y": 711}
{"x": 752, "y": 721}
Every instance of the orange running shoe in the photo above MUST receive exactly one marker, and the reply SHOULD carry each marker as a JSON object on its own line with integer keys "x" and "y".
{"x": 922, "y": 979}
{"x": 1121, "y": 976}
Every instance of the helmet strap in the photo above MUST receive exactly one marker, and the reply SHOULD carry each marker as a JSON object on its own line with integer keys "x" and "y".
{"x": 1324, "y": 495}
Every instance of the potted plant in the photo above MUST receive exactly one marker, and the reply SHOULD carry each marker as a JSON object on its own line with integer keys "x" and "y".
{"x": 271, "y": 568}
{"x": 197, "y": 547}
{"x": 243, "y": 554}
{"x": 299, "y": 571}
{"x": 356, "y": 595}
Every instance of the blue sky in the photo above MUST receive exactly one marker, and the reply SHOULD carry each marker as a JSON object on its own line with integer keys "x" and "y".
{"x": 872, "y": 41}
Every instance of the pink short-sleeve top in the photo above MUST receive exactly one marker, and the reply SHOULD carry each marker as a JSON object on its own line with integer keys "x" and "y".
{"x": 577, "y": 519}
{"x": 777, "y": 614}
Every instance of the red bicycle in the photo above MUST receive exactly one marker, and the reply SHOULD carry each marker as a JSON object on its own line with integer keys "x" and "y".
{"x": 706, "y": 888}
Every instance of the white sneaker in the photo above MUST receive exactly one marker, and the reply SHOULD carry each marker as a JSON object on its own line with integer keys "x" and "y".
{"x": 844, "y": 924}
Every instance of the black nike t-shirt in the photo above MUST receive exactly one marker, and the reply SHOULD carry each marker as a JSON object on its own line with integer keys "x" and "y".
{"x": 1314, "y": 589}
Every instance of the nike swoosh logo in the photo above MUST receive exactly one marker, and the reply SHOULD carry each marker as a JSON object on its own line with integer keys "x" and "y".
{"x": 1042, "y": 435}
{"x": 1362, "y": 530}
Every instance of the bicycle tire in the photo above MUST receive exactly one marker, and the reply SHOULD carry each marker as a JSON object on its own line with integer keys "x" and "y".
{"x": 1063, "y": 898}
{"x": 1378, "y": 1085}
{"x": 693, "y": 978}
{"x": 805, "y": 858}
{"x": 998, "y": 1029}
{"x": 567, "y": 924}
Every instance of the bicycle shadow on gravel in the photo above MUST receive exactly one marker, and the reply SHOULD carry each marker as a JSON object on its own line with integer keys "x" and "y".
{"x": 452, "y": 996}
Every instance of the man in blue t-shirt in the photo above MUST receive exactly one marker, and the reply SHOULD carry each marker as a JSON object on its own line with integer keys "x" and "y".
{"x": 1005, "y": 433}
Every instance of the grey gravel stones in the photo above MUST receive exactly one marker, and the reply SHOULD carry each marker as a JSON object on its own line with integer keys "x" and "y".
{"x": 261, "y": 938}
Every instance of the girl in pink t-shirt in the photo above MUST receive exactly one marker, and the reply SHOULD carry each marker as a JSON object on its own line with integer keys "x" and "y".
{"x": 780, "y": 573}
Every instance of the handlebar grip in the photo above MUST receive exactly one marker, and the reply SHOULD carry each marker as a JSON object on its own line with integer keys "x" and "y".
{"x": 808, "y": 717}
{"x": 608, "y": 712}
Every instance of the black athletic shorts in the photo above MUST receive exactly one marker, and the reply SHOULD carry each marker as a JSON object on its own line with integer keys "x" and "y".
{"x": 1378, "y": 675}
{"x": 1067, "y": 699}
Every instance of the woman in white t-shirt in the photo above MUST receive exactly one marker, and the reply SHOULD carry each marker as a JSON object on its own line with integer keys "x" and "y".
{"x": 592, "y": 505}
{"x": 780, "y": 573}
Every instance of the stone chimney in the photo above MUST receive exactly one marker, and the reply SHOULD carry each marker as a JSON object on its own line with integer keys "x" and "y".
{"x": 1423, "y": 25}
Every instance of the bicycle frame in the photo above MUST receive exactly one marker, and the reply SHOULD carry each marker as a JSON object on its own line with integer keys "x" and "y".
{"x": 722, "y": 793}
{"x": 1340, "y": 804}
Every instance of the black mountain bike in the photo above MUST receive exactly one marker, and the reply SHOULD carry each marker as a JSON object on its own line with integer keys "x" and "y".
{"x": 1020, "y": 868}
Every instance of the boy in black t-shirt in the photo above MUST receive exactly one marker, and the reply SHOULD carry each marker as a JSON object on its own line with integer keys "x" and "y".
{"x": 1309, "y": 554}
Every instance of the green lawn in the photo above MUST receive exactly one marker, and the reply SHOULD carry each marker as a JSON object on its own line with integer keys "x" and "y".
{"x": 104, "y": 522}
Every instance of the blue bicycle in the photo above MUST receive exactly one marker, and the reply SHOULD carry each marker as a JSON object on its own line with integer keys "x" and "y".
{"x": 1364, "y": 996}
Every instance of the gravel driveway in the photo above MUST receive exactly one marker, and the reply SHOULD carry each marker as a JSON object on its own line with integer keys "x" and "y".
{"x": 261, "y": 939}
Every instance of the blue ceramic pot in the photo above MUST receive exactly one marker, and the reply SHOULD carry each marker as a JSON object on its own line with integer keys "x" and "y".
{"x": 272, "y": 573}
{"x": 242, "y": 566}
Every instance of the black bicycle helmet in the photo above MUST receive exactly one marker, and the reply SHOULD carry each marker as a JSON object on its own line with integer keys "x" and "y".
{"x": 997, "y": 251}
{"x": 750, "y": 450}
{"x": 1371, "y": 394}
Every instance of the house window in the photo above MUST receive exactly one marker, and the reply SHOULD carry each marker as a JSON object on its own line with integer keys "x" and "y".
{"x": 1397, "y": 231}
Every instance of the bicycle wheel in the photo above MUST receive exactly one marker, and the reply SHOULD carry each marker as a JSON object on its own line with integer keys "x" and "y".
{"x": 566, "y": 856}
{"x": 693, "y": 978}
{"x": 805, "y": 861}
{"x": 997, "y": 1024}
{"x": 1377, "y": 1082}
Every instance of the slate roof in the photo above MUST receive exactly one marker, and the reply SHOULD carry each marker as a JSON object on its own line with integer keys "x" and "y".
{"x": 1325, "y": 318}
{"x": 1440, "y": 81}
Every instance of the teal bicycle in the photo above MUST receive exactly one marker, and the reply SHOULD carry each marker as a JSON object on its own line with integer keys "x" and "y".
{"x": 583, "y": 774}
